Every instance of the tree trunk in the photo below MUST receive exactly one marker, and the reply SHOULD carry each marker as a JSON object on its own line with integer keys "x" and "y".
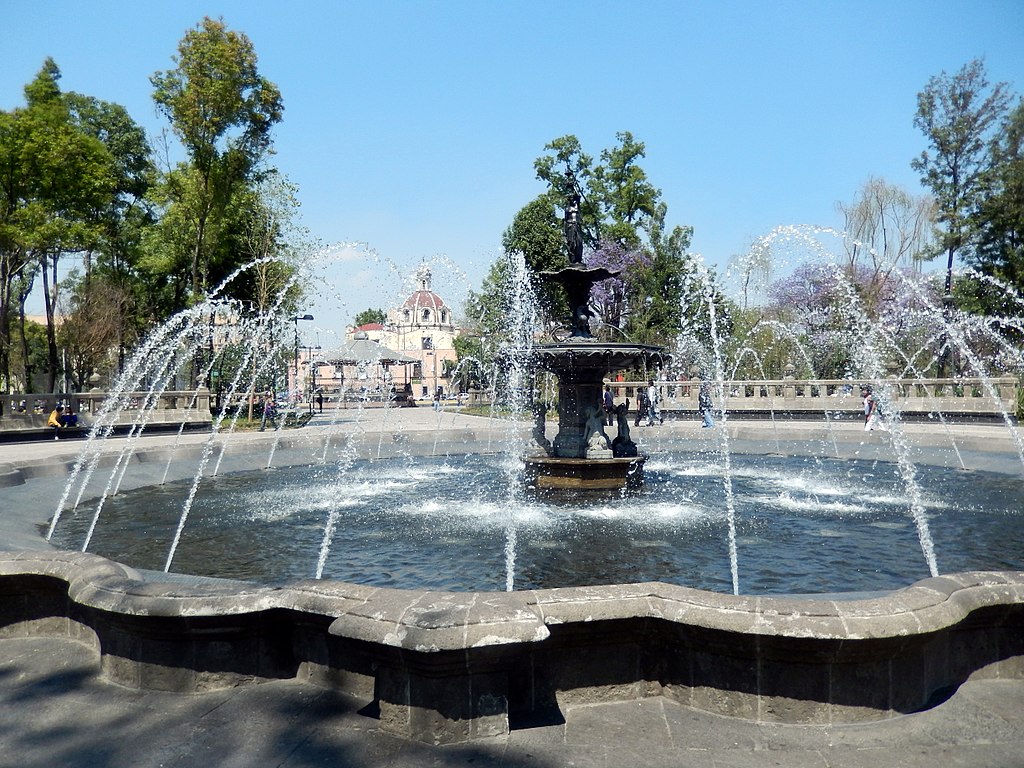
{"x": 50, "y": 302}
{"x": 5, "y": 333}
{"x": 27, "y": 367}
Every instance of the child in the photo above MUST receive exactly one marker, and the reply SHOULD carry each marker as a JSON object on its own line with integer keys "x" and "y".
{"x": 56, "y": 421}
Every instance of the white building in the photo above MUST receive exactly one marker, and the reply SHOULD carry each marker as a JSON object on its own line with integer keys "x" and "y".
{"x": 423, "y": 327}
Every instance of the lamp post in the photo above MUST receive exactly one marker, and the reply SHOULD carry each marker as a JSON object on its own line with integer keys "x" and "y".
{"x": 295, "y": 320}
{"x": 312, "y": 372}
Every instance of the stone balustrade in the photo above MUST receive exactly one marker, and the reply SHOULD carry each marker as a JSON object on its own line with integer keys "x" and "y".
{"x": 967, "y": 397}
{"x": 30, "y": 412}
{"x": 961, "y": 396}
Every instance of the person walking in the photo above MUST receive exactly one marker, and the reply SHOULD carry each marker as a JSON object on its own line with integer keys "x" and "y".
{"x": 872, "y": 415}
{"x": 269, "y": 412}
{"x": 641, "y": 406}
{"x": 704, "y": 405}
{"x": 609, "y": 406}
{"x": 652, "y": 405}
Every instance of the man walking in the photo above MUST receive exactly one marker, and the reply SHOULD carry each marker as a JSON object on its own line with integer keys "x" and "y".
{"x": 609, "y": 406}
{"x": 652, "y": 405}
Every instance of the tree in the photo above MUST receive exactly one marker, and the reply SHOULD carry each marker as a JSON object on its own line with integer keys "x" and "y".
{"x": 370, "y": 316}
{"x": 16, "y": 264}
{"x": 622, "y": 223}
{"x": 566, "y": 171}
{"x": 111, "y": 271}
{"x": 536, "y": 232}
{"x": 811, "y": 305}
{"x": 222, "y": 110}
{"x": 626, "y": 197}
{"x": 93, "y": 327}
{"x": 887, "y": 229}
{"x": 617, "y": 201}
{"x": 957, "y": 115}
{"x": 269, "y": 237}
{"x": 612, "y": 298}
{"x": 668, "y": 295}
{"x": 999, "y": 252}
{"x": 57, "y": 179}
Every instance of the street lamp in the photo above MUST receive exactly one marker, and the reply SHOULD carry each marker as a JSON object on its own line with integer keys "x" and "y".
{"x": 313, "y": 364}
{"x": 296, "y": 319}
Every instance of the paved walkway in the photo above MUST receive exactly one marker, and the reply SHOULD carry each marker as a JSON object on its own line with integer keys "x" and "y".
{"x": 56, "y": 710}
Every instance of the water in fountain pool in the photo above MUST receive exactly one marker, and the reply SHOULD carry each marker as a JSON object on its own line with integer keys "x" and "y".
{"x": 802, "y": 526}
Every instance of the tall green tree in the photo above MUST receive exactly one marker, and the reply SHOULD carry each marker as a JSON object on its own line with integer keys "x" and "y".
{"x": 622, "y": 221}
{"x": 222, "y": 110}
{"x": 567, "y": 172}
{"x": 536, "y": 232}
{"x": 628, "y": 200}
{"x": 657, "y": 295}
{"x": 999, "y": 252}
{"x": 57, "y": 180}
{"x": 957, "y": 114}
{"x": 111, "y": 272}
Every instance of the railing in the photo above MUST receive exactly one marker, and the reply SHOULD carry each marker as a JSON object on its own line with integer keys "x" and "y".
{"x": 986, "y": 397}
{"x": 920, "y": 396}
{"x": 170, "y": 406}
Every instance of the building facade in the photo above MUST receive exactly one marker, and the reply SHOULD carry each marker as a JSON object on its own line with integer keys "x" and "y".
{"x": 423, "y": 327}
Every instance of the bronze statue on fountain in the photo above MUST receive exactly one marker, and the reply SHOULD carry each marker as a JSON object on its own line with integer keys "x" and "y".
{"x": 582, "y": 455}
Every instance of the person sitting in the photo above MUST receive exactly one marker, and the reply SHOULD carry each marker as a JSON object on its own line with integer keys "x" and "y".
{"x": 56, "y": 421}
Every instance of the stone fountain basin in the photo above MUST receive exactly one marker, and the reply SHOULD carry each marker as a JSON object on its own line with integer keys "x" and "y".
{"x": 447, "y": 667}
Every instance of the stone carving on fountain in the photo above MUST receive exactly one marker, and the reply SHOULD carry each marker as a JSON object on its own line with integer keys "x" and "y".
{"x": 582, "y": 454}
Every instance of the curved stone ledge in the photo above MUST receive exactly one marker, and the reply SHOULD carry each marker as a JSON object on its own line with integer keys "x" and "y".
{"x": 446, "y": 667}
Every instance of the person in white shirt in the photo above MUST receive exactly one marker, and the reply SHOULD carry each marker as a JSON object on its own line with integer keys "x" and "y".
{"x": 652, "y": 405}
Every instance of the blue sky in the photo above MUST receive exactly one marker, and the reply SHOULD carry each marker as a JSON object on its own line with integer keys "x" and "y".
{"x": 413, "y": 126}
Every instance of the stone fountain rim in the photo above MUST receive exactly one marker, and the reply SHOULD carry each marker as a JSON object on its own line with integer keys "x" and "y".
{"x": 433, "y": 621}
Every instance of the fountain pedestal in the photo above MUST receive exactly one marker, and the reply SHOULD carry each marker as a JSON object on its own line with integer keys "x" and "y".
{"x": 557, "y": 473}
{"x": 583, "y": 454}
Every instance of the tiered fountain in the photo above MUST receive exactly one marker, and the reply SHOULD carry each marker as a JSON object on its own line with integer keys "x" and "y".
{"x": 583, "y": 456}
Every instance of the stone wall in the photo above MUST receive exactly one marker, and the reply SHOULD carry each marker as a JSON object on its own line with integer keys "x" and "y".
{"x": 449, "y": 667}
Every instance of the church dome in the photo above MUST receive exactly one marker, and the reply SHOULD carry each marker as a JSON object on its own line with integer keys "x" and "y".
{"x": 427, "y": 299}
{"x": 424, "y": 307}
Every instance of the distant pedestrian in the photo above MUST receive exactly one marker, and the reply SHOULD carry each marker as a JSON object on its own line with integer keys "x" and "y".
{"x": 609, "y": 406}
{"x": 641, "y": 406}
{"x": 652, "y": 405}
{"x": 320, "y": 402}
{"x": 705, "y": 406}
{"x": 269, "y": 413}
{"x": 872, "y": 414}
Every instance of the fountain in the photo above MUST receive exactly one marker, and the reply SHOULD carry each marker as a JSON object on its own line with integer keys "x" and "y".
{"x": 582, "y": 456}
{"x": 442, "y": 661}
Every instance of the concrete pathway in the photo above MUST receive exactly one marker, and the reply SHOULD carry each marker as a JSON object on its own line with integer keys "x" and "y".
{"x": 56, "y": 711}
